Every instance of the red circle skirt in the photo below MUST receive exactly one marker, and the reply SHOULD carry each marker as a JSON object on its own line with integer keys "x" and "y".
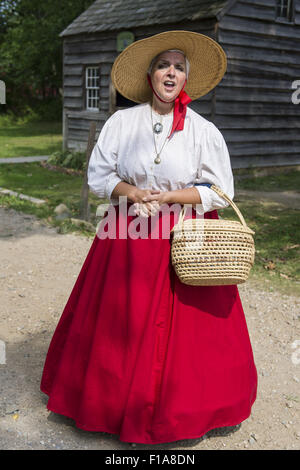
{"x": 139, "y": 354}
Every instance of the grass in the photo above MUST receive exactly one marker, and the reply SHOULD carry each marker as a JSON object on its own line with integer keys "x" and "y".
{"x": 277, "y": 228}
{"x": 279, "y": 181}
{"x": 29, "y": 139}
{"x": 277, "y": 231}
{"x": 277, "y": 241}
{"x": 34, "y": 180}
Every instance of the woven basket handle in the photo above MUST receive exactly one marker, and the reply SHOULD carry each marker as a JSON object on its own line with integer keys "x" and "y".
{"x": 224, "y": 196}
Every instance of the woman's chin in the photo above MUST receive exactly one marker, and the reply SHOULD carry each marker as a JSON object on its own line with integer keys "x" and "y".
{"x": 169, "y": 97}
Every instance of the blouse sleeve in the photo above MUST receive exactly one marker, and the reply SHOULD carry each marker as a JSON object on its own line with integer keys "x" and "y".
{"x": 102, "y": 169}
{"x": 215, "y": 168}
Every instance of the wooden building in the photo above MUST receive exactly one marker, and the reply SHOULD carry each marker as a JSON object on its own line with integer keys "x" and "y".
{"x": 253, "y": 105}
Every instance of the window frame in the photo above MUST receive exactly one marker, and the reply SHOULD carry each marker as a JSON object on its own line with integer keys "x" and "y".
{"x": 290, "y": 8}
{"x": 88, "y": 88}
{"x": 113, "y": 99}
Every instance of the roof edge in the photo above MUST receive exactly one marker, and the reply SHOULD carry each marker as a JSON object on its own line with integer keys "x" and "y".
{"x": 218, "y": 16}
{"x": 225, "y": 10}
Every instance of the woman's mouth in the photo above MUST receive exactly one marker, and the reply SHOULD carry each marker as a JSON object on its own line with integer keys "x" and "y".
{"x": 169, "y": 85}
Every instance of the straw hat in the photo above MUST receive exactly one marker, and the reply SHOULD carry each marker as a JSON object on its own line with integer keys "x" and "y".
{"x": 207, "y": 64}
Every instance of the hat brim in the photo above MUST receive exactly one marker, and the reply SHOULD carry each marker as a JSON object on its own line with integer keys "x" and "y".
{"x": 207, "y": 59}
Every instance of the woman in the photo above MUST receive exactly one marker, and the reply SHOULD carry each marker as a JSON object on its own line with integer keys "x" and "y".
{"x": 137, "y": 353}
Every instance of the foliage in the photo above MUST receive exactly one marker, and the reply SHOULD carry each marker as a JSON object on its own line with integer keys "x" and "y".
{"x": 7, "y": 8}
{"x": 68, "y": 159}
{"x": 31, "y": 49}
{"x": 49, "y": 110}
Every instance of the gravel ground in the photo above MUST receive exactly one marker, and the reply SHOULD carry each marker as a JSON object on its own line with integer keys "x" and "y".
{"x": 38, "y": 270}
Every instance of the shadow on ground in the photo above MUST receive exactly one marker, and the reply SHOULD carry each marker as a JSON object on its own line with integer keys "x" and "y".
{"x": 20, "y": 393}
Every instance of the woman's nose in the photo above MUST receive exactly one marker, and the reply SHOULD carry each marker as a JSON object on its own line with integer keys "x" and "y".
{"x": 171, "y": 71}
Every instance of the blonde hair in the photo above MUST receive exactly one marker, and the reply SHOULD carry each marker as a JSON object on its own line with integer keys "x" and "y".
{"x": 187, "y": 64}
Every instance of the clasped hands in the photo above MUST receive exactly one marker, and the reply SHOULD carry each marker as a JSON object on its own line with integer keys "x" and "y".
{"x": 148, "y": 201}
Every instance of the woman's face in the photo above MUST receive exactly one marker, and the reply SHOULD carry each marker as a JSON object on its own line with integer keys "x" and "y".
{"x": 168, "y": 75}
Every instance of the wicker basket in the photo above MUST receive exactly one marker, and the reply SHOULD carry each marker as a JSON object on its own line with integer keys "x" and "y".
{"x": 212, "y": 251}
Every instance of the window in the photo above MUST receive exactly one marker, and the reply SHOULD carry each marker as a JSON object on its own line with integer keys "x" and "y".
{"x": 285, "y": 10}
{"x": 92, "y": 88}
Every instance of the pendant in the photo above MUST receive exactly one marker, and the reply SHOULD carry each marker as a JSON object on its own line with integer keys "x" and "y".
{"x": 158, "y": 127}
{"x": 157, "y": 159}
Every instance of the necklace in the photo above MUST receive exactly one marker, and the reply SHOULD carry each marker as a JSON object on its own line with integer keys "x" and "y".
{"x": 157, "y": 129}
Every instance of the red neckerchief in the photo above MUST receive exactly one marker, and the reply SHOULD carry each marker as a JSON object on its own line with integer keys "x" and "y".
{"x": 180, "y": 106}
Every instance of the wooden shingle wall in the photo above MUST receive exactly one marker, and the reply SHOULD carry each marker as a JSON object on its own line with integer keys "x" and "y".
{"x": 100, "y": 49}
{"x": 254, "y": 108}
{"x": 252, "y": 105}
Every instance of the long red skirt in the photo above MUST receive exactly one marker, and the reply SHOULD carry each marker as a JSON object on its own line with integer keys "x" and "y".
{"x": 139, "y": 354}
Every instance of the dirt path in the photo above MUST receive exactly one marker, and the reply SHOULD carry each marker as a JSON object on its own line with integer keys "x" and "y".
{"x": 38, "y": 270}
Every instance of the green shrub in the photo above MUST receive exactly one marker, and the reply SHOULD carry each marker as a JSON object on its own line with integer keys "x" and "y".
{"x": 49, "y": 109}
{"x": 10, "y": 119}
{"x": 68, "y": 159}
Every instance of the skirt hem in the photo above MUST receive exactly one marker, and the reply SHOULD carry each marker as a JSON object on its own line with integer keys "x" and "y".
{"x": 153, "y": 441}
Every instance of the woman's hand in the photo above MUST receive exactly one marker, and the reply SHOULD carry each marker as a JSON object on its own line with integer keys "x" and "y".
{"x": 137, "y": 194}
{"x": 162, "y": 198}
{"x": 148, "y": 201}
{"x": 146, "y": 209}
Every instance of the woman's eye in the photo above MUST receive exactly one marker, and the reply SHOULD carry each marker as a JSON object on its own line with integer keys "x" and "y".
{"x": 164, "y": 65}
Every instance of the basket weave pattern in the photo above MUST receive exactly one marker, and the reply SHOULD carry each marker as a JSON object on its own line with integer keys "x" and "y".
{"x": 212, "y": 252}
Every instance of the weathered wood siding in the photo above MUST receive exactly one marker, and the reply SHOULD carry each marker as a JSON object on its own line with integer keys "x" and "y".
{"x": 254, "y": 108}
{"x": 252, "y": 105}
{"x": 78, "y": 53}
{"x": 100, "y": 50}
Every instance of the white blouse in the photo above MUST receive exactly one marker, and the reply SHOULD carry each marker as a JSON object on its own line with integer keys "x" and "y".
{"x": 125, "y": 151}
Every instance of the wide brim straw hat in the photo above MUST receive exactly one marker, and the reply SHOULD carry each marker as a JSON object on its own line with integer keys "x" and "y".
{"x": 207, "y": 59}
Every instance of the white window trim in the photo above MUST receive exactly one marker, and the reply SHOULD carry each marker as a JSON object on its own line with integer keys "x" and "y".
{"x": 289, "y": 5}
{"x": 88, "y": 88}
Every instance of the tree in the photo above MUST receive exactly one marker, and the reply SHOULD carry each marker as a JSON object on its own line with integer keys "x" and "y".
{"x": 30, "y": 46}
